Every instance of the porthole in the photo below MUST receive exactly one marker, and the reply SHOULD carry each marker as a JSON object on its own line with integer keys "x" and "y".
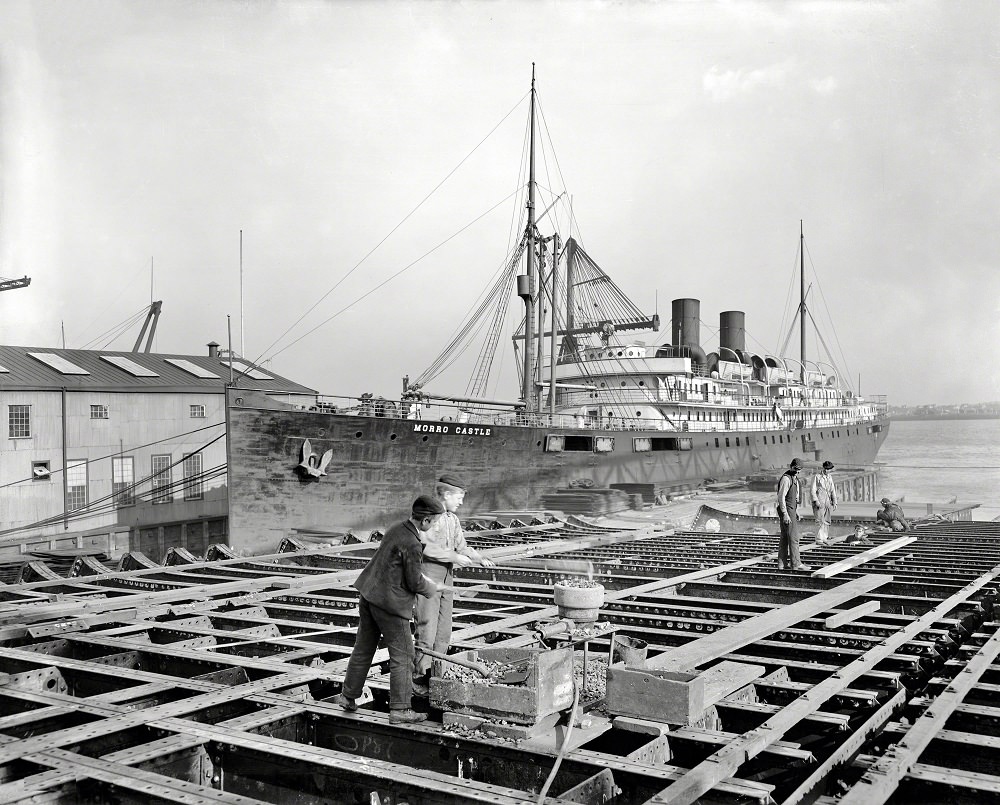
{"x": 358, "y": 435}
{"x": 623, "y": 384}
{"x": 642, "y": 382}
{"x": 538, "y": 443}
{"x": 392, "y": 437}
{"x": 424, "y": 439}
{"x": 638, "y": 413}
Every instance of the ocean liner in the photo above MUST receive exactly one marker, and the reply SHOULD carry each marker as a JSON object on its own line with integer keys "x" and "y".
{"x": 597, "y": 407}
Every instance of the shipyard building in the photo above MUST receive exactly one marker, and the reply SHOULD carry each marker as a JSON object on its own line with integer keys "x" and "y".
{"x": 119, "y": 451}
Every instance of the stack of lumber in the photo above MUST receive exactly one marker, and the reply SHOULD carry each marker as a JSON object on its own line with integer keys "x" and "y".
{"x": 587, "y": 501}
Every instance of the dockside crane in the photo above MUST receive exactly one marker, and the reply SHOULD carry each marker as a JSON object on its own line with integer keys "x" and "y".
{"x": 152, "y": 317}
{"x": 10, "y": 285}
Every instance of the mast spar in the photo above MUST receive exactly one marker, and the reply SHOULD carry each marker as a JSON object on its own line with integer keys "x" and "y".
{"x": 802, "y": 303}
{"x": 526, "y": 282}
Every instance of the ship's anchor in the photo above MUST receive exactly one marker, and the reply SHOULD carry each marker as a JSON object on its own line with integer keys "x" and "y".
{"x": 311, "y": 463}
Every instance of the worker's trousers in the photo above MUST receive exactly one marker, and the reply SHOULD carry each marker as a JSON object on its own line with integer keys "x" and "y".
{"x": 432, "y": 616}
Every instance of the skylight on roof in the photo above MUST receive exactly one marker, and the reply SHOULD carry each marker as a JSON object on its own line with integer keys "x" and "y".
{"x": 129, "y": 366}
{"x": 192, "y": 368}
{"x": 248, "y": 369}
{"x": 59, "y": 363}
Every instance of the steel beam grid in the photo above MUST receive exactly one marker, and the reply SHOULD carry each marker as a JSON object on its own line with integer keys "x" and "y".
{"x": 121, "y": 649}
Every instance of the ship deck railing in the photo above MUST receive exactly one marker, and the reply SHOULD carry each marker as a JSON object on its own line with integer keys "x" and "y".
{"x": 610, "y": 396}
{"x": 792, "y": 420}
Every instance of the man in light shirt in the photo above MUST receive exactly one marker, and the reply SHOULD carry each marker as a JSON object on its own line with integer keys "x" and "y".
{"x": 444, "y": 549}
{"x": 824, "y": 501}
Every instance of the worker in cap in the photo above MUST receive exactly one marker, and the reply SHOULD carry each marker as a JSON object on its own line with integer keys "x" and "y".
{"x": 445, "y": 549}
{"x": 824, "y": 501}
{"x": 789, "y": 497}
{"x": 891, "y": 516}
{"x": 388, "y": 585}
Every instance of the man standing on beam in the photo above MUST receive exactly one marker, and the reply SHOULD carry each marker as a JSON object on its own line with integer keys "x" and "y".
{"x": 789, "y": 497}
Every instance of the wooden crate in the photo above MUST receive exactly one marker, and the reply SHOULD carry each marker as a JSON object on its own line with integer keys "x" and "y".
{"x": 548, "y": 688}
{"x": 673, "y": 697}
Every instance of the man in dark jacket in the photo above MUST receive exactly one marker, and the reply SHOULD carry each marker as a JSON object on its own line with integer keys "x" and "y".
{"x": 789, "y": 498}
{"x": 389, "y": 585}
{"x": 891, "y": 516}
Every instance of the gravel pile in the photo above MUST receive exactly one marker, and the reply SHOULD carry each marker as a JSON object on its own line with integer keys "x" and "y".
{"x": 597, "y": 678}
{"x": 496, "y": 670}
{"x": 590, "y": 630}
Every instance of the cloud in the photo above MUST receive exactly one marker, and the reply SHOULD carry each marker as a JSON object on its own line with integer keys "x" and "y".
{"x": 824, "y": 86}
{"x": 723, "y": 85}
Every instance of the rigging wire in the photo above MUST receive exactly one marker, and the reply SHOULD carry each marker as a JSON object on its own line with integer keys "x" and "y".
{"x": 379, "y": 244}
{"x": 385, "y": 282}
{"x": 836, "y": 336}
{"x": 117, "y": 329}
{"x": 99, "y": 316}
{"x": 93, "y": 508}
{"x": 789, "y": 295}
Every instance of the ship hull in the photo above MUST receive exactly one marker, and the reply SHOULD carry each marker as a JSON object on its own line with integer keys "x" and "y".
{"x": 377, "y": 465}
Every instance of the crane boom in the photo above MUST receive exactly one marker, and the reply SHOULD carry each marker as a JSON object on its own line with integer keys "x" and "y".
{"x": 152, "y": 317}
{"x": 10, "y": 285}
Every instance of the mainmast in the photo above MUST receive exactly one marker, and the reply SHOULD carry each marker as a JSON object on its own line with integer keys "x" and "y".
{"x": 802, "y": 302}
{"x": 526, "y": 284}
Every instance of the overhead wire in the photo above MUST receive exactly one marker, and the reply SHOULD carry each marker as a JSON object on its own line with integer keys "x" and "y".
{"x": 338, "y": 283}
{"x": 133, "y": 448}
{"x": 108, "y": 502}
{"x": 386, "y": 281}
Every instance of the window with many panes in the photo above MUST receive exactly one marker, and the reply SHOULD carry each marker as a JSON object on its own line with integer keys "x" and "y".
{"x": 197, "y": 411}
{"x": 123, "y": 480}
{"x": 160, "y": 479}
{"x": 98, "y": 412}
{"x": 192, "y": 477}
{"x": 19, "y": 421}
{"x": 76, "y": 484}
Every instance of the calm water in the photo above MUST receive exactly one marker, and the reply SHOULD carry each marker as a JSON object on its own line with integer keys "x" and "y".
{"x": 940, "y": 460}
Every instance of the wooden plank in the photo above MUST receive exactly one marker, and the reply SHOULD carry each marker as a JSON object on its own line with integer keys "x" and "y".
{"x": 850, "y": 615}
{"x": 724, "y": 641}
{"x": 818, "y": 780}
{"x": 860, "y": 558}
{"x": 728, "y": 676}
{"x": 726, "y": 762}
{"x": 883, "y": 777}
{"x": 988, "y": 784}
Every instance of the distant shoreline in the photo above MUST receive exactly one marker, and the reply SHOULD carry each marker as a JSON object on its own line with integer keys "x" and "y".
{"x": 936, "y": 417}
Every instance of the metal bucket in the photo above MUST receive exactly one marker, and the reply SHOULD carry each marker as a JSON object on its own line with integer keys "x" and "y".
{"x": 631, "y": 650}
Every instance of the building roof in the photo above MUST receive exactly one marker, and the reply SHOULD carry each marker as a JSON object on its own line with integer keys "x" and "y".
{"x": 44, "y": 368}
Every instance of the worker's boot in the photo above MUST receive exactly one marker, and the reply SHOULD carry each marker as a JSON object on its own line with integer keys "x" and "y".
{"x": 406, "y": 717}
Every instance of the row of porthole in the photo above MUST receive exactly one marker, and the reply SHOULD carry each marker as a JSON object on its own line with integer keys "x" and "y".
{"x": 624, "y": 383}
{"x": 611, "y": 354}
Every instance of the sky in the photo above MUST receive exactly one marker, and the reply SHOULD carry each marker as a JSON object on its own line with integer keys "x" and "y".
{"x": 366, "y": 149}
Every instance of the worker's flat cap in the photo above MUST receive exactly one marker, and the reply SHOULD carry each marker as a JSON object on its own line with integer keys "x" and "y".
{"x": 453, "y": 481}
{"x": 427, "y": 506}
